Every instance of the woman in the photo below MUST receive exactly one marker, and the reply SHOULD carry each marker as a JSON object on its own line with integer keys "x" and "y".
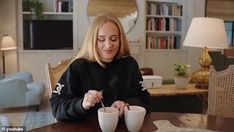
{"x": 102, "y": 70}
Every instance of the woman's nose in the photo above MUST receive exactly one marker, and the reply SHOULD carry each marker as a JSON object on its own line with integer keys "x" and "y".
{"x": 108, "y": 43}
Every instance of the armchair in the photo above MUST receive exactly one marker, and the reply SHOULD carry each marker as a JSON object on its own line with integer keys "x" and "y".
{"x": 19, "y": 90}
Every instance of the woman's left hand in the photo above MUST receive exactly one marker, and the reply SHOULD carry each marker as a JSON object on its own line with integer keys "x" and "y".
{"x": 120, "y": 105}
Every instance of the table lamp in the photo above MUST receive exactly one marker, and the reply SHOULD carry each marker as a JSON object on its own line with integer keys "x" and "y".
{"x": 206, "y": 33}
{"x": 7, "y": 44}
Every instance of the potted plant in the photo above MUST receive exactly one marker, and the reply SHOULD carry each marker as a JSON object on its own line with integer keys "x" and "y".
{"x": 34, "y": 6}
{"x": 182, "y": 76}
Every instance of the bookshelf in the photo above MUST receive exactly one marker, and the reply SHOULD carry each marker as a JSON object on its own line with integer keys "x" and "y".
{"x": 163, "y": 24}
{"x": 52, "y": 9}
{"x": 52, "y": 29}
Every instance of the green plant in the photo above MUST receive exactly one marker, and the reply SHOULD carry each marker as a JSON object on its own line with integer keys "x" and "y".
{"x": 34, "y": 6}
{"x": 182, "y": 70}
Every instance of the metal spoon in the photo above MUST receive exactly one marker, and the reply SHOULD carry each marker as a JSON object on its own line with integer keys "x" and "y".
{"x": 127, "y": 106}
{"x": 103, "y": 106}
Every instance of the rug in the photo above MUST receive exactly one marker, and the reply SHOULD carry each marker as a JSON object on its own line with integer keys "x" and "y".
{"x": 38, "y": 119}
{"x": 166, "y": 126}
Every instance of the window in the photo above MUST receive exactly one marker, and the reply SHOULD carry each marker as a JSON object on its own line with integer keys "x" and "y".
{"x": 229, "y": 26}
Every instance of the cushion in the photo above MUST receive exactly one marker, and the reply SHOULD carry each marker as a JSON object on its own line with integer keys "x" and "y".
{"x": 2, "y": 76}
{"x": 3, "y": 121}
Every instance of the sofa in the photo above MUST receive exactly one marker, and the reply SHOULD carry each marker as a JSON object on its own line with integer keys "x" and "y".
{"x": 3, "y": 121}
{"x": 19, "y": 90}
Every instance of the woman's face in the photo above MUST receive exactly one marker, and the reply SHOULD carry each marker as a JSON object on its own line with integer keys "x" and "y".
{"x": 108, "y": 41}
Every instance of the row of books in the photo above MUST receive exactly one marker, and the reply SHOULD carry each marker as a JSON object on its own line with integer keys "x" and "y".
{"x": 163, "y": 24}
{"x": 163, "y": 42}
{"x": 170, "y": 9}
{"x": 63, "y": 5}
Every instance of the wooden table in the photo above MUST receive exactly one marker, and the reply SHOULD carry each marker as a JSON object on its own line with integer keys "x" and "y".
{"x": 171, "y": 90}
{"x": 201, "y": 121}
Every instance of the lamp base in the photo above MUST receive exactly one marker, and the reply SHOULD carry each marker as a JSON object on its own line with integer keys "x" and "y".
{"x": 201, "y": 78}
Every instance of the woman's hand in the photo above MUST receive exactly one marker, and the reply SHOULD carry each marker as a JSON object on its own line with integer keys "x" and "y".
{"x": 91, "y": 98}
{"x": 120, "y": 105}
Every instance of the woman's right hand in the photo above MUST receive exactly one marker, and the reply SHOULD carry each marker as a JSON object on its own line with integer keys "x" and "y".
{"x": 91, "y": 98}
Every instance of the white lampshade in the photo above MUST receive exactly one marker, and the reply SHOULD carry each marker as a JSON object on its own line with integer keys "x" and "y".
{"x": 206, "y": 32}
{"x": 7, "y": 43}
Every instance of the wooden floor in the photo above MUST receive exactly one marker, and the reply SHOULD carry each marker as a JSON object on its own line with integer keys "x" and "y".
{"x": 16, "y": 116}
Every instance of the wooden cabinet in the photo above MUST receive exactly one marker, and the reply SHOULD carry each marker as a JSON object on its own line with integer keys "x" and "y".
{"x": 164, "y": 24}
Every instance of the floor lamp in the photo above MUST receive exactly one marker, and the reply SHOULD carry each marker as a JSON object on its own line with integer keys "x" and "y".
{"x": 7, "y": 44}
{"x": 206, "y": 33}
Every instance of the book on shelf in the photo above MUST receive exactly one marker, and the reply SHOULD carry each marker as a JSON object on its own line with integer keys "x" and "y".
{"x": 164, "y": 8}
{"x": 163, "y": 24}
{"x": 70, "y": 5}
{"x": 163, "y": 42}
{"x": 63, "y": 5}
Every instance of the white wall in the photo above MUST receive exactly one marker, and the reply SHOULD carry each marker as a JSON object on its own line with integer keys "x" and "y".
{"x": 34, "y": 61}
{"x": 194, "y": 8}
{"x": 8, "y": 26}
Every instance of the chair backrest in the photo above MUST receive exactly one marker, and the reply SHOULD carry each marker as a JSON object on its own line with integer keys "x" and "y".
{"x": 229, "y": 52}
{"x": 54, "y": 73}
{"x": 146, "y": 71}
{"x": 221, "y": 92}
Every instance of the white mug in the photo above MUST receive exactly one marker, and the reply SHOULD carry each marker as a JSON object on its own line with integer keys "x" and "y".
{"x": 108, "y": 119}
{"x": 134, "y": 118}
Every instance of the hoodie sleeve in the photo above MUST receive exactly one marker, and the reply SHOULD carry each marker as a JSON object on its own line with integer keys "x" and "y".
{"x": 140, "y": 95}
{"x": 66, "y": 99}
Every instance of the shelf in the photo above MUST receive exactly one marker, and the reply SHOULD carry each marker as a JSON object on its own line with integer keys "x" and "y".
{"x": 166, "y": 1}
{"x": 50, "y": 13}
{"x": 47, "y": 51}
{"x": 164, "y": 32}
{"x": 56, "y": 21}
{"x": 163, "y": 24}
{"x": 164, "y": 16}
{"x": 166, "y": 50}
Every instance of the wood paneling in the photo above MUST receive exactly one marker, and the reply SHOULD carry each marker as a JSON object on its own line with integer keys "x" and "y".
{"x": 223, "y": 9}
{"x": 120, "y": 8}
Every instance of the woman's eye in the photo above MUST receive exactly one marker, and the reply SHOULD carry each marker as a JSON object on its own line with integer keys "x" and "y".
{"x": 101, "y": 39}
{"x": 114, "y": 38}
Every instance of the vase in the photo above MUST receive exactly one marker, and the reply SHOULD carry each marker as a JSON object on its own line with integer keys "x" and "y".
{"x": 181, "y": 82}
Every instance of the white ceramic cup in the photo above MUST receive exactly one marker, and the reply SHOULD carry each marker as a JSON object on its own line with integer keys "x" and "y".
{"x": 108, "y": 120}
{"x": 134, "y": 118}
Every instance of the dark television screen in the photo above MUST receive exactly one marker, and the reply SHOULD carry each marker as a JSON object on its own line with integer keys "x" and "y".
{"x": 48, "y": 34}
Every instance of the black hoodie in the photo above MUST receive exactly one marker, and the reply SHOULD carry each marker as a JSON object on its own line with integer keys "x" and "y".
{"x": 120, "y": 80}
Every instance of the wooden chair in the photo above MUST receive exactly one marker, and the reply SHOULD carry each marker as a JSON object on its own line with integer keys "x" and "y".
{"x": 53, "y": 74}
{"x": 229, "y": 53}
{"x": 146, "y": 71}
{"x": 221, "y": 92}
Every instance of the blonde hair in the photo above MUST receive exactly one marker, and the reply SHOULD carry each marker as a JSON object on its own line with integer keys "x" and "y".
{"x": 89, "y": 47}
